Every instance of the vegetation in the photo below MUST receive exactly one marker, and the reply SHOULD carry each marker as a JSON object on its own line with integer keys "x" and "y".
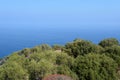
{"x": 77, "y": 60}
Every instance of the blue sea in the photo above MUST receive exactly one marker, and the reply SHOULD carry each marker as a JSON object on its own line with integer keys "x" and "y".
{"x": 16, "y": 37}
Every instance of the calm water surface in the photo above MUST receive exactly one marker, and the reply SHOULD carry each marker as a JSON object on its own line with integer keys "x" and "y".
{"x": 17, "y": 37}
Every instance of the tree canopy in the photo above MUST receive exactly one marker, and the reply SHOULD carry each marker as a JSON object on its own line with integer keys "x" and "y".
{"x": 109, "y": 42}
{"x": 76, "y": 60}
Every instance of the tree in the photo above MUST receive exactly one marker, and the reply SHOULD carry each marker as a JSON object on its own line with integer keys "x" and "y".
{"x": 57, "y": 47}
{"x": 13, "y": 71}
{"x": 109, "y": 42}
{"x": 41, "y": 64}
{"x": 45, "y": 47}
{"x": 114, "y": 53}
{"x": 25, "y": 51}
{"x": 80, "y": 47}
{"x": 39, "y": 70}
{"x": 64, "y": 59}
{"x": 95, "y": 67}
{"x": 80, "y": 60}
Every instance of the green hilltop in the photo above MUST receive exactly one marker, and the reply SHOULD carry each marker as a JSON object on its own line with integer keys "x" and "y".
{"x": 76, "y": 60}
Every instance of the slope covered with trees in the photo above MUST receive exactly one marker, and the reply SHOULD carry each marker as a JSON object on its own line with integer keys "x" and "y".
{"x": 77, "y": 60}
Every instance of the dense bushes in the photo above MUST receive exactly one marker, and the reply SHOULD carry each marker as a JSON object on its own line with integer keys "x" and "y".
{"x": 95, "y": 67}
{"x": 81, "y": 47}
{"x": 109, "y": 42}
{"x": 77, "y": 60}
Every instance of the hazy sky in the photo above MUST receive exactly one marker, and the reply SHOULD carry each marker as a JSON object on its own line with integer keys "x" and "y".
{"x": 60, "y": 12}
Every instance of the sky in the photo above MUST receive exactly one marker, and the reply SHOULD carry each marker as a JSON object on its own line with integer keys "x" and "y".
{"x": 60, "y": 12}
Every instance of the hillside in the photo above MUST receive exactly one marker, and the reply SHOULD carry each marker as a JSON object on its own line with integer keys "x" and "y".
{"x": 76, "y": 60}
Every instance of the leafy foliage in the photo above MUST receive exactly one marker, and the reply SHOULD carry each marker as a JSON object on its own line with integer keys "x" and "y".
{"x": 77, "y": 60}
{"x": 109, "y": 42}
{"x": 113, "y": 52}
{"x": 95, "y": 67}
{"x": 81, "y": 47}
